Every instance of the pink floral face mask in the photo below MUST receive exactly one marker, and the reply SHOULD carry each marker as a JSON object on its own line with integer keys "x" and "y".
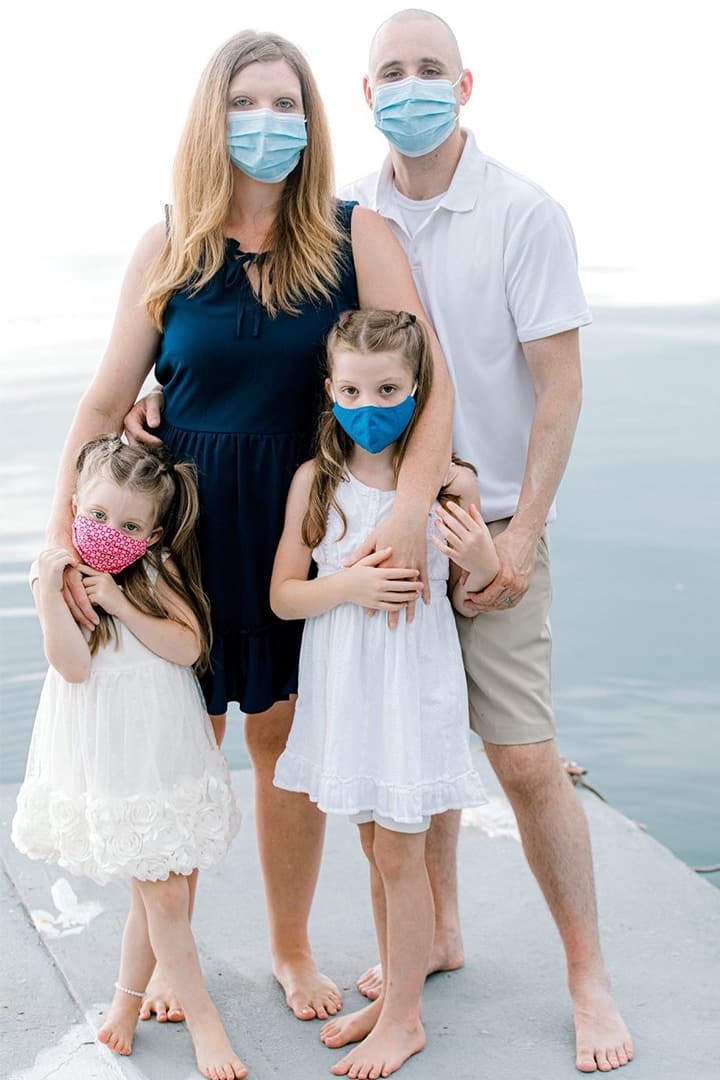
{"x": 104, "y": 548}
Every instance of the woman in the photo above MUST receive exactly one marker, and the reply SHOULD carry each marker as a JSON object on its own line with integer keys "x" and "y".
{"x": 231, "y": 301}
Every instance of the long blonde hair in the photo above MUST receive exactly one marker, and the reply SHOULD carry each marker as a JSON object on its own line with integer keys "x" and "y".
{"x": 152, "y": 471}
{"x": 361, "y": 332}
{"x": 306, "y": 247}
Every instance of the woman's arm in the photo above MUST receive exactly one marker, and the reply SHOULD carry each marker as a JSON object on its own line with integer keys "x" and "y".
{"x": 166, "y": 637}
{"x": 292, "y": 596}
{"x": 65, "y": 647}
{"x": 128, "y": 359}
{"x": 385, "y": 281}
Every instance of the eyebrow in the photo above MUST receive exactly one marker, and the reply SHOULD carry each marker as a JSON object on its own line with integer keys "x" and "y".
{"x": 423, "y": 60}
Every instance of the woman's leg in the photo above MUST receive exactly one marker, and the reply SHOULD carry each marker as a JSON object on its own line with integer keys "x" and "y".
{"x": 352, "y": 1027}
{"x": 136, "y": 964}
{"x": 290, "y": 832}
{"x": 166, "y": 907}
{"x": 398, "y": 1033}
{"x": 160, "y": 997}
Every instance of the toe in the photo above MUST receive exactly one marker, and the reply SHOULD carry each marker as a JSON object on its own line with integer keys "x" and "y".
{"x": 162, "y": 1016}
{"x": 585, "y": 1060}
{"x": 602, "y": 1062}
{"x": 240, "y": 1070}
{"x": 102, "y": 1035}
{"x": 621, "y": 1055}
{"x": 145, "y": 1013}
{"x": 175, "y": 1014}
{"x": 613, "y": 1058}
{"x": 629, "y": 1050}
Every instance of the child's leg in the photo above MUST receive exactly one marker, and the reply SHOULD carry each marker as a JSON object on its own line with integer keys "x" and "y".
{"x": 160, "y": 997}
{"x": 166, "y": 905}
{"x": 351, "y": 1027}
{"x": 398, "y": 1032}
{"x": 136, "y": 964}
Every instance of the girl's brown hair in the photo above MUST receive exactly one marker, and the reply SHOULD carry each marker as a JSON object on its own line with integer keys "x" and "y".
{"x": 152, "y": 471}
{"x": 305, "y": 247}
{"x": 364, "y": 332}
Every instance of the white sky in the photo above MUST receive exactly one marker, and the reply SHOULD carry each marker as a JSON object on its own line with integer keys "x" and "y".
{"x": 612, "y": 105}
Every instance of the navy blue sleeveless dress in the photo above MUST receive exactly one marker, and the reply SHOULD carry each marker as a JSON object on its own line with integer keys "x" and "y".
{"x": 242, "y": 397}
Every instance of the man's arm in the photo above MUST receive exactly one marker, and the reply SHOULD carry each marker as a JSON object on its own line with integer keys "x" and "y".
{"x": 554, "y": 364}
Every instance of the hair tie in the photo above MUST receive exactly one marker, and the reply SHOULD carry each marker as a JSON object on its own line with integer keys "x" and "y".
{"x": 405, "y": 319}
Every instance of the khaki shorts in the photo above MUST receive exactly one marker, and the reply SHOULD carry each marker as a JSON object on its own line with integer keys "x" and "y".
{"x": 507, "y": 658}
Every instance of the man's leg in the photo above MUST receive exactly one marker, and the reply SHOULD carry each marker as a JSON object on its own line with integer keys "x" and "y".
{"x": 290, "y": 833}
{"x": 557, "y": 845}
{"x": 507, "y": 658}
{"x": 441, "y": 860}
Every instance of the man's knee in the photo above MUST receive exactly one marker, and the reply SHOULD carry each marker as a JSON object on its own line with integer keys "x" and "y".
{"x": 527, "y": 771}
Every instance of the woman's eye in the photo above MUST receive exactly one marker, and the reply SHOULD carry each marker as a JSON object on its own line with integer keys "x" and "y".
{"x": 285, "y": 104}
{"x": 241, "y": 103}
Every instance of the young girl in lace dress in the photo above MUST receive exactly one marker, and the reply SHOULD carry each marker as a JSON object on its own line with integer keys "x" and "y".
{"x": 380, "y": 731}
{"x": 125, "y": 780}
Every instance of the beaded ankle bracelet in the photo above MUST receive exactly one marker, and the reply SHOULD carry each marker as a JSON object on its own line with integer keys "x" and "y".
{"x": 133, "y": 993}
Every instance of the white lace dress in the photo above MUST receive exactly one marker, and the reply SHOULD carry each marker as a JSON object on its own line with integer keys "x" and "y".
{"x": 381, "y": 722}
{"x": 124, "y": 776}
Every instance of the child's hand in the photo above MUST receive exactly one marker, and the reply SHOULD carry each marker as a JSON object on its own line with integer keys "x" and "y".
{"x": 384, "y": 588}
{"x": 466, "y": 540}
{"x": 51, "y": 567}
{"x": 101, "y": 590}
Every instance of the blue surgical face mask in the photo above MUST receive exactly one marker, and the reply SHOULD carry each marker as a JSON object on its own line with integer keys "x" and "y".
{"x": 375, "y": 427}
{"x": 416, "y": 115}
{"x": 265, "y": 144}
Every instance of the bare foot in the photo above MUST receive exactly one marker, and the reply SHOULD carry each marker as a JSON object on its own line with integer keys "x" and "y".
{"x": 383, "y": 1052}
{"x": 216, "y": 1058}
{"x": 118, "y": 1030}
{"x": 446, "y": 955}
{"x": 161, "y": 1000}
{"x": 603, "y": 1041}
{"x": 351, "y": 1028}
{"x": 308, "y": 993}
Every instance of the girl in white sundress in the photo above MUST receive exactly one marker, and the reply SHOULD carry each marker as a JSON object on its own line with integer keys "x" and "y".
{"x": 125, "y": 780}
{"x": 381, "y": 725}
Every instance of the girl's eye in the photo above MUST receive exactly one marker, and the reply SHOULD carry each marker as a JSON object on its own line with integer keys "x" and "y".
{"x": 131, "y": 526}
{"x": 98, "y": 515}
{"x": 351, "y": 391}
{"x": 388, "y": 389}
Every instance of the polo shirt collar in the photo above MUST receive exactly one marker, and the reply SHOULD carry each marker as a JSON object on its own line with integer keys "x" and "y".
{"x": 464, "y": 187}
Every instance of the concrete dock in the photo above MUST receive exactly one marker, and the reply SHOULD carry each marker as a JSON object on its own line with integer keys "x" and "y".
{"x": 505, "y": 1015}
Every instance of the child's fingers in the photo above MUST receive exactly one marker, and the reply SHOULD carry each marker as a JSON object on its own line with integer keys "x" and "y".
{"x": 393, "y": 572}
{"x": 442, "y": 547}
{"x": 375, "y": 557}
{"x": 476, "y": 515}
{"x": 455, "y": 510}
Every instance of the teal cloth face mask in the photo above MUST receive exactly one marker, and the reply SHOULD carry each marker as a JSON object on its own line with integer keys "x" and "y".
{"x": 375, "y": 427}
{"x": 264, "y": 144}
{"x": 416, "y": 115}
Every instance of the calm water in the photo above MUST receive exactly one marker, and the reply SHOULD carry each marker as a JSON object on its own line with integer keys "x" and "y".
{"x": 635, "y": 549}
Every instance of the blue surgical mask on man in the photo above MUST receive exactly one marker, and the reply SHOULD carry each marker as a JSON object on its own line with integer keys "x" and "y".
{"x": 264, "y": 144}
{"x": 375, "y": 427}
{"x": 416, "y": 115}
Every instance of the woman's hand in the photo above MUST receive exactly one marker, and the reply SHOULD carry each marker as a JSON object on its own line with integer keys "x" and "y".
{"x": 102, "y": 591}
{"x": 381, "y": 588}
{"x": 145, "y": 414}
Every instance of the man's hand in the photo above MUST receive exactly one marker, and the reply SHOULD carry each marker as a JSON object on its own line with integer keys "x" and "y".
{"x": 102, "y": 590}
{"x": 517, "y": 551}
{"x": 145, "y": 414}
{"x": 405, "y": 532}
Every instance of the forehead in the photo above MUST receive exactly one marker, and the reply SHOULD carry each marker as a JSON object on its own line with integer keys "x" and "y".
{"x": 275, "y": 76}
{"x": 98, "y": 491}
{"x": 412, "y": 41}
{"x": 358, "y": 367}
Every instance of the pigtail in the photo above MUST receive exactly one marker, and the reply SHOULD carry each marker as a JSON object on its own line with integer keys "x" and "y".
{"x": 180, "y": 539}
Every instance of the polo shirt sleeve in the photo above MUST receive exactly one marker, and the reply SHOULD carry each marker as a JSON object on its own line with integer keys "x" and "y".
{"x": 542, "y": 285}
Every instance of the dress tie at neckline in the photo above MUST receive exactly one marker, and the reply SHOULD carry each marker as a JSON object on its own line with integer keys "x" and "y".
{"x": 236, "y": 277}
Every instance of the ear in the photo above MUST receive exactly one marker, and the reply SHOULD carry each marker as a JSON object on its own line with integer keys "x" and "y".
{"x": 155, "y": 536}
{"x": 367, "y": 91}
{"x": 329, "y": 390}
{"x": 74, "y": 504}
{"x": 465, "y": 86}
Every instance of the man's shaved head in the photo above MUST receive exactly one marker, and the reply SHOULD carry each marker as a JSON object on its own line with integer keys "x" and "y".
{"x": 444, "y": 36}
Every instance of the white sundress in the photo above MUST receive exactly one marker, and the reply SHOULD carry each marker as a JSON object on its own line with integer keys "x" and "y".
{"x": 381, "y": 722}
{"x": 124, "y": 775}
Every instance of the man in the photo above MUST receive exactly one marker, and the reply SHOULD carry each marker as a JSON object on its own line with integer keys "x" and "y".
{"x": 494, "y": 260}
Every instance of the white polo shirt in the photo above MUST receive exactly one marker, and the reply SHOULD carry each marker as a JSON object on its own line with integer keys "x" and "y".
{"x": 495, "y": 265}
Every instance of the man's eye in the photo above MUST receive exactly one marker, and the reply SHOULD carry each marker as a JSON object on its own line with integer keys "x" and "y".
{"x": 430, "y": 73}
